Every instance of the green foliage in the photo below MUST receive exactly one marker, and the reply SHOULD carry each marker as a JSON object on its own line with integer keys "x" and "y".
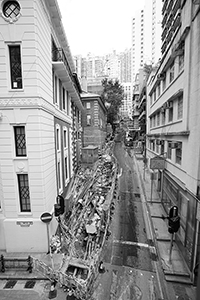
{"x": 113, "y": 94}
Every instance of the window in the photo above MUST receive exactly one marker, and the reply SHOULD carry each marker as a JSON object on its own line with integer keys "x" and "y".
{"x": 63, "y": 97}
{"x": 15, "y": 67}
{"x": 88, "y": 119}
{"x": 151, "y": 99}
{"x": 11, "y": 9}
{"x": 58, "y": 138}
{"x": 163, "y": 117}
{"x": 65, "y": 138}
{"x": 154, "y": 96}
{"x": 66, "y": 168}
{"x": 67, "y": 102}
{"x": 164, "y": 83}
{"x": 59, "y": 177}
{"x": 24, "y": 195}
{"x": 60, "y": 94}
{"x": 20, "y": 140}
{"x": 159, "y": 89}
{"x": 171, "y": 72}
{"x": 162, "y": 148}
{"x": 56, "y": 89}
{"x": 88, "y": 106}
{"x": 151, "y": 122}
{"x": 169, "y": 151}
{"x": 170, "y": 115}
{"x": 158, "y": 119}
{"x": 180, "y": 108}
{"x": 179, "y": 153}
{"x": 181, "y": 62}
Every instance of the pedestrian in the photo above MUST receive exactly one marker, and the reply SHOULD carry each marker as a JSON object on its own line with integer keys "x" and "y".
{"x": 101, "y": 267}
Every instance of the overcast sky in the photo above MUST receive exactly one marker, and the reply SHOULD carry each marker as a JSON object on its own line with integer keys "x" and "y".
{"x": 98, "y": 26}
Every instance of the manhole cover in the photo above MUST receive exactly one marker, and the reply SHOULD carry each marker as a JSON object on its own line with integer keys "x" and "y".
{"x": 29, "y": 284}
{"x": 10, "y": 284}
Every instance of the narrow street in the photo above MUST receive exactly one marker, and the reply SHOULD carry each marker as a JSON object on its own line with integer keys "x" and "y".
{"x": 130, "y": 273}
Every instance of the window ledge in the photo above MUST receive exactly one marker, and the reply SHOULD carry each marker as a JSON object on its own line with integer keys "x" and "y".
{"x": 24, "y": 214}
{"x": 15, "y": 90}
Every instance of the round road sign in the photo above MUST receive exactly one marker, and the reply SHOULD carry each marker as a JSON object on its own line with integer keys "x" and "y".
{"x": 46, "y": 217}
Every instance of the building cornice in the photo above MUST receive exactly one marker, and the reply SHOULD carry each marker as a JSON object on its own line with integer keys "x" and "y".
{"x": 162, "y": 134}
{"x": 34, "y": 103}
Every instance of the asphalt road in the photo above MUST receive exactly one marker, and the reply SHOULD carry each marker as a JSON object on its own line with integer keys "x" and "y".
{"x": 130, "y": 273}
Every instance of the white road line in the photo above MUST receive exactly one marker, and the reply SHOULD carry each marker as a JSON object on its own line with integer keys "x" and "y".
{"x": 134, "y": 244}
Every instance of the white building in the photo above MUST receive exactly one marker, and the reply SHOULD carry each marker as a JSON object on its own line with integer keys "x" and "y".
{"x": 126, "y": 108}
{"x": 146, "y": 36}
{"x": 39, "y": 107}
{"x": 174, "y": 120}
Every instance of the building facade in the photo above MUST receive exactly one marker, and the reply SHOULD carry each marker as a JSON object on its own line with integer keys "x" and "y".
{"x": 94, "y": 121}
{"x": 37, "y": 148}
{"x": 174, "y": 120}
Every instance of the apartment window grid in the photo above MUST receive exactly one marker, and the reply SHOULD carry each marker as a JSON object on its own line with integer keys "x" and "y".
{"x": 169, "y": 151}
{"x": 67, "y": 102}
{"x": 180, "y": 108}
{"x": 164, "y": 83}
{"x": 158, "y": 119}
{"x": 179, "y": 154}
{"x": 88, "y": 120}
{"x": 159, "y": 89}
{"x": 20, "y": 140}
{"x": 56, "y": 89}
{"x": 24, "y": 195}
{"x": 65, "y": 138}
{"x": 15, "y": 67}
{"x": 181, "y": 62}
{"x": 66, "y": 168}
{"x": 163, "y": 117}
{"x": 60, "y": 94}
{"x": 59, "y": 177}
{"x": 171, "y": 72}
{"x": 58, "y": 138}
{"x": 88, "y": 105}
{"x": 154, "y": 96}
{"x": 170, "y": 113}
{"x": 151, "y": 122}
{"x": 162, "y": 148}
{"x": 63, "y": 98}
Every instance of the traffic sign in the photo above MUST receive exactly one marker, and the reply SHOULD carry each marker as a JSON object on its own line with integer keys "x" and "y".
{"x": 157, "y": 163}
{"x": 46, "y": 217}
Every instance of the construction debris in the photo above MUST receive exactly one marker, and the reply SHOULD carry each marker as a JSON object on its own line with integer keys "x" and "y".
{"x": 85, "y": 228}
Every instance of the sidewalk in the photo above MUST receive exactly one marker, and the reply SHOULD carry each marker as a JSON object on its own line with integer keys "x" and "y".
{"x": 176, "y": 270}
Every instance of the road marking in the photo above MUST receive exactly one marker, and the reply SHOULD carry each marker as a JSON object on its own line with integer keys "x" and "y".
{"x": 135, "y": 244}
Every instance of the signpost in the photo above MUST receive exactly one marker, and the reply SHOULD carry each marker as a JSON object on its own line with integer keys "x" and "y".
{"x": 156, "y": 163}
{"x": 46, "y": 218}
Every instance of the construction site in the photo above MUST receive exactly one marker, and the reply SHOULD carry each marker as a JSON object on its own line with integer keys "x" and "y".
{"x": 84, "y": 228}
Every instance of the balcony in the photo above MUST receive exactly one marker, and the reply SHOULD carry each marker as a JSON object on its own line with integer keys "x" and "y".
{"x": 69, "y": 79}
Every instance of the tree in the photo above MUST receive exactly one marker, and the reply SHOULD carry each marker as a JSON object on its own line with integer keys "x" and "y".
{"x": 113, "y": 94}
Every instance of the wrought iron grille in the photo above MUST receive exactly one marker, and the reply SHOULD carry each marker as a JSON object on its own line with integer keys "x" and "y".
{"x": 24, "y": 192}
{"x": 15, "y": 67}
{"x": 20, "y": 140}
